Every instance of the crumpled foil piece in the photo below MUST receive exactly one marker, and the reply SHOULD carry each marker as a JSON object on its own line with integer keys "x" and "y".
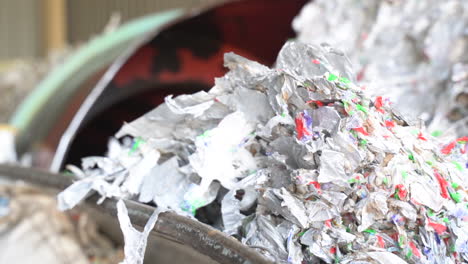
{"x": 135, "y": 241}
{"x": 407, "y": 50}
{"x": 298, "y": 162}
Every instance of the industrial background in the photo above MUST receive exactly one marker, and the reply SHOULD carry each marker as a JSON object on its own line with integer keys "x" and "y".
{"x": 29, "y": 29}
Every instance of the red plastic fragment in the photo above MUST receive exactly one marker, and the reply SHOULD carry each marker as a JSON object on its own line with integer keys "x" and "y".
{"x": 378, "y": 102}
{"x": 299, "y": 127}
{"x": 400, "y": 188}
{"x": 443, "y": 184}
{"x": 380, "y": 242}
{"x": 420, "y": 136}
{"x": 361, "y": 130}
{"x": 316, "y": 184}
{"x": 389, "y": 124}
{"x": 439, "y": 228}
{"x": 447, "y": 149}
{"x": 414, "y": 249}
{"x": 319, "y": 103}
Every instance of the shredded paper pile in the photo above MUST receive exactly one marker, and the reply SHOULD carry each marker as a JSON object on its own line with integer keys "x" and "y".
{"x": 297, "y": 162}
{"x": 33, "y": 229}
{"x": 415, "y": 52}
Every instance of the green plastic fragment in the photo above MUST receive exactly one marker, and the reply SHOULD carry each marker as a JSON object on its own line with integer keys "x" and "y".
{"x": 400, "y": 241}
{"x": 332, "y": 77}
{"x": 348, "y": 229}
{"x": 68, "y": 173}
{"x": 430, "y": 212}
{"x": 396, "y": 196}
{"x": 409, "y": 254}
{"x": 385, "y": 180}
{"x": 455, "y": 185}
{"x": 429, "y": 163}
{"x": 370, "y": 231}
{"x": 411, "y": 157}
{"x": 458, "y": 165}
{"x": 456, "y": 196}
{"x": 346, "y": 106}
{"x": 307, "y": 84}
{"x": 205, "y": 134}
{"x": 404, "y": 174}
{"x": 193, "y": 205}
{"x": 302, "y": 233}
{"x": 361, "y": 108}
{"x": 344, "y": 80}
{"x": 363, "y": 142}
{"x": 136, "y": 144}
{"x": 283, "y": 114}
{"x": 446, "y": 220}
{"x": 436, "y": 133}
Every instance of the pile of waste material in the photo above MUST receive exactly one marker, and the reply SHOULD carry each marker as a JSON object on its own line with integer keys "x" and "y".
{"x": 297, "y": 162}
{"x": 415, "y": 52}
{"x": 30, "y": 223}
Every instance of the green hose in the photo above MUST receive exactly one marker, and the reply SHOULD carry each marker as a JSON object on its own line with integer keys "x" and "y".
{"x": 62, "y": 82}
